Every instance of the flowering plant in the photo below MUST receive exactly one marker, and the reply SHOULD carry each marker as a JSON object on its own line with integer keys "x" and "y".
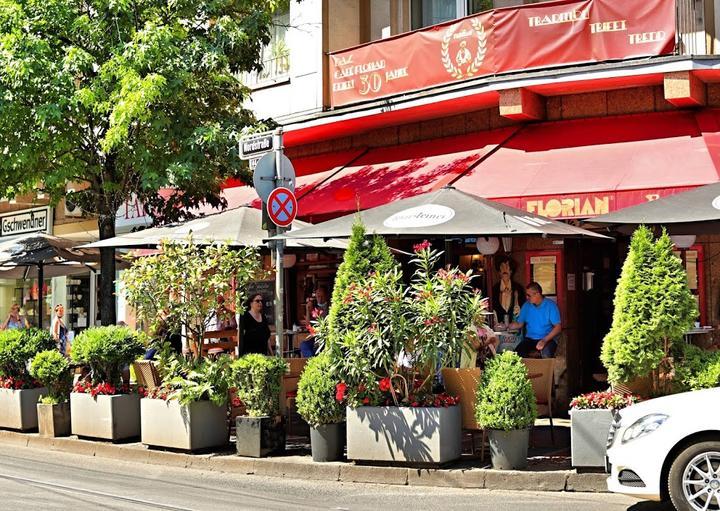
{"x": 100, "y": 389}
{"x": 602, "y": 401}
{"x": 384, "y": 392}
{"x": 8, "y": 382}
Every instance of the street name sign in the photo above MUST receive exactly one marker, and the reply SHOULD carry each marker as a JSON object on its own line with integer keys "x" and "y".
{"x": 256, "y": 145}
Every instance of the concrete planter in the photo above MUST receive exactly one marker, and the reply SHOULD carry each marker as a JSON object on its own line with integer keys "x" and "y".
{"x": 509, "y": 449}
{"x": 199, "y": 425}
{"x": 18, "y": 408}
{"x": 53, "y": 420}
{"x": 327, "y": 442}
{"x": 259, "y": 436}
{"x": 105, "y": 417}
{"x": 404, "y": 435}
{"x": 588, "y": 437}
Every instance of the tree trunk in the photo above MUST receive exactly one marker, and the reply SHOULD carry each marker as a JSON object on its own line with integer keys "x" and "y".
{"x": 106, "y": 227}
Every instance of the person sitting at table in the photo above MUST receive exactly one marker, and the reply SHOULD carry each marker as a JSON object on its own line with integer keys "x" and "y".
{"x": 482, "y": 346}
{"x": 541, "y": 316}
{"x": 315, "y": 308}
{"x": 255, "y": 330}
{"x": 14, "y": 319}
{"x": 221, "y": 319}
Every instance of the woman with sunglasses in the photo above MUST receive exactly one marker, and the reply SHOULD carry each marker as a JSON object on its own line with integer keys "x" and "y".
{"x": 255, "y": 330}
{"x": 14, "y": 319}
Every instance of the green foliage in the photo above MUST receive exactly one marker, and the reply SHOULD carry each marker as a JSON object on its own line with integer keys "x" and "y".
{"x": 52, "y": 369}
{"x": 182, "y": 282}
{"x": 18, "y": 346}
{"x": 107, "y": 349}
{"x": 505, "y": 398}
{"x": 697, "y": 369}
{"x": 204, "y": 380}
{"x": 316, "y": 401}
{"x": 653, "y": 308}
{"x": 258, "y": 381}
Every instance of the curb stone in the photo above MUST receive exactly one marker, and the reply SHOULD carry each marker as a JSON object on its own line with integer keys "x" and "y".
{"x": 557, "y": 480}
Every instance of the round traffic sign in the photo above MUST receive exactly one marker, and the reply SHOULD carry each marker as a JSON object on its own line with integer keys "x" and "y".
{"x": 282, "y": 206}
{"x": 264, "y": 177}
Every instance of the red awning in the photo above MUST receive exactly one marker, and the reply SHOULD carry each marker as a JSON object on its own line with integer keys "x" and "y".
{"x": 390, "y": 173}
{"x": 587, "y": 167}
{"x": 309, "y": 171}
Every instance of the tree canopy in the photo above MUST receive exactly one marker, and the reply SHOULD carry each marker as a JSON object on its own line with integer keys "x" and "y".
{"x": 123, "y": 97}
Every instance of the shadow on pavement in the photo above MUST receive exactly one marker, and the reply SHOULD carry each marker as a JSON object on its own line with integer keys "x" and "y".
{"x": 651, "y": 506}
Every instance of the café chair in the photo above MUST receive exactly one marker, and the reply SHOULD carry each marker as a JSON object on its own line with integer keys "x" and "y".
{"x": 464, "y": 383}
{"x": 541, "y": 372}
{"x": 146, "y": 374}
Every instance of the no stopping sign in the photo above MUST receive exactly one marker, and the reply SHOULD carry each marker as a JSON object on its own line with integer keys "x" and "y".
{"x": 282, "y": 207}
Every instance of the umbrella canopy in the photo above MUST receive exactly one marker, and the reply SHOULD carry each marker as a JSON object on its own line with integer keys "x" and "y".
{"x": 694, "y": 211}
{"x": 239, "y": 227}
{"x": 444, "y": 212}
{"x": 40, "y": 248}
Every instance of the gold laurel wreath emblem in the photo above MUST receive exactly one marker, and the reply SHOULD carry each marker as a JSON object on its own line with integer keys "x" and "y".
{"x": 447, "y": 62}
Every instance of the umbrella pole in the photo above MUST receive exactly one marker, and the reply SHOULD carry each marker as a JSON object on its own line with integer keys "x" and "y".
{"x": 41, "y": 297}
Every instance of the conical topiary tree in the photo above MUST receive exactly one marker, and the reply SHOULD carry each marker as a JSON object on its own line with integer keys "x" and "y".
{"x": 653, "y": 308}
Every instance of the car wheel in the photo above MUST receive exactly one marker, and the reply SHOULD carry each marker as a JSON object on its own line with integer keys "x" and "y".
{"x": 694, "y": 478}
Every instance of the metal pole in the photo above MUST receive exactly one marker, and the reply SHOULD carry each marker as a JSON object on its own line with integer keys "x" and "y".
{"x": 41, "y": 298}
{"x": 279, "y": 249}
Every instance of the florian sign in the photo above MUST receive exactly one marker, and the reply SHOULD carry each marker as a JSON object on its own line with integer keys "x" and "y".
{"x": 512, "y": 39}
{"x": 570, "y": 207}
{"x": 26, "y": 221}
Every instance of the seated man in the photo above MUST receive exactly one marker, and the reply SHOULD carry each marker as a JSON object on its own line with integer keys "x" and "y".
{"x": 541, "y": 316}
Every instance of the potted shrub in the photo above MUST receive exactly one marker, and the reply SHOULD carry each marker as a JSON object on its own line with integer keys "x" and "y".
{"x": 316, "y": 404}
{"x": 102, "y": 406}
{"x": 258, "y": 381}
{"x": 189, "y": 410}
{"x": 506, "y": 408}
{"x": 591, "y": 415}
{"x": 653, "y": 309}
{"x": 19, "y": 391}
{"x": 52, "y": 370}
{"x": 386, "y": 343}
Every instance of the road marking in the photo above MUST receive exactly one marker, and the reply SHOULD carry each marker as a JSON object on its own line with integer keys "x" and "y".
{"x": 73, "y": 489}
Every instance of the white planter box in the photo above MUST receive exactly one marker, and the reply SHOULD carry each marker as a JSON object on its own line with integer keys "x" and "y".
{"x": 404, "y": 435}
{"x": 18, "y": 408}
{"x": 196, "y": 426}
{"x": 588, "y": 437}
{"x": 106, "y": 417}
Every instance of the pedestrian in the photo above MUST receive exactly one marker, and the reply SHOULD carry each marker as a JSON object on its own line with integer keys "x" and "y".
{"x": 59, "y": 330}
{"x": 541, "y": 316}
{"x": 255, "y": 330}
{"x": 14, "y": 319}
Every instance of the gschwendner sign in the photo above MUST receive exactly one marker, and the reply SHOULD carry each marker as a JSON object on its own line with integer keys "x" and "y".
{"x": 25, "y": 221}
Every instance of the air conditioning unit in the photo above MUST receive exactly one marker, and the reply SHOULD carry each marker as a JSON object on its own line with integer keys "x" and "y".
{"x": 72, "y": 209}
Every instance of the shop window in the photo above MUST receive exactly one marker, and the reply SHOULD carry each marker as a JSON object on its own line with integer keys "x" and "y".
{"x": 275, "y": 56}
{"x": 693, "y": 262}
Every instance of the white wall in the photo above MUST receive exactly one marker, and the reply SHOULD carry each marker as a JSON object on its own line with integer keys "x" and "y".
{"x": 303, "y": 92}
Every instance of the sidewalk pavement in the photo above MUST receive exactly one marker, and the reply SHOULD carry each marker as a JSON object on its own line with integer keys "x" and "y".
{"x": 545, "y": 473}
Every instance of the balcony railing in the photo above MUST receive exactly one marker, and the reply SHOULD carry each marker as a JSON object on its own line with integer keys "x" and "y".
{"x": 691, "y": 34}
{"x": 274, "y": 70}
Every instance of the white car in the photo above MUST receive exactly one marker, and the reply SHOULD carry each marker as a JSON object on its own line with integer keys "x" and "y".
{"x": 669, "y": 448}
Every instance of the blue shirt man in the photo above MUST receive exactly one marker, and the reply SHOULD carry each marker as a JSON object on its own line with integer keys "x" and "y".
{"x": 541, "y": 316}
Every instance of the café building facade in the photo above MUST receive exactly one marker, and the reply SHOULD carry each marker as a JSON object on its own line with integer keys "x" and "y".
{"x": 565, "y": 109}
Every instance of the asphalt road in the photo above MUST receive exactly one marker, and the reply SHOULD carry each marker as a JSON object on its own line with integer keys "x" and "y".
{"x": 39, "y": 480}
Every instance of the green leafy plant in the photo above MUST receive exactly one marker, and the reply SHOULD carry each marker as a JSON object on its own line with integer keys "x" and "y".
{"x": 181, "y": 283}
{"x": 316, "y": 401}
{"x": 505, "y": 398}
{"x": 204, "y": 380}
{"x": 653, "y": 308}
{"x": 697, "y": 369}
{"x": 258, "y": 381}
{"x": 17, "y": 347}
{"x": 106, "y": 350}
{"x": 52, "y": 369}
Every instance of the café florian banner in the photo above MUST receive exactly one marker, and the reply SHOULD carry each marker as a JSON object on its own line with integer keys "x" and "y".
{"x": 502, "y": 40}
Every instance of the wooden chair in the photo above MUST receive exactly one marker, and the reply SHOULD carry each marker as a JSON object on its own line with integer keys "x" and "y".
{"x": 146, "y": 374}
{"x": 542, "y": 376}
{"x": 464, "y": 383}
{"x": 229, "y": 345}
{"x": 288, "y": 391}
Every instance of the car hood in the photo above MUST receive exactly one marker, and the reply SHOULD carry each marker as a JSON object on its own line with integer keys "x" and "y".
{"x": 685, "y": 403}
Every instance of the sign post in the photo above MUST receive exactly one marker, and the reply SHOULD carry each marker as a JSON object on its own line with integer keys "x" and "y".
{"x": 279, "y": 252}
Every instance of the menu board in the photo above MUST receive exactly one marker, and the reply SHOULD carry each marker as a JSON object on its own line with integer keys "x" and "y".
{"x": 267, "y": 289}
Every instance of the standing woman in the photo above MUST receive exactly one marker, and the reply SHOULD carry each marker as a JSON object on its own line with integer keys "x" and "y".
{"x": 255, "y": 330}
{"x": 59, "y": 330}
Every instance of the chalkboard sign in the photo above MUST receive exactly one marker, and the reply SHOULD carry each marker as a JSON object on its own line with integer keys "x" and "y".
{"x": 267, "y": 289}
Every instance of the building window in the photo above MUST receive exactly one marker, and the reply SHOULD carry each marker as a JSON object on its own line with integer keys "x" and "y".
{"x": 425, "y": 13}
{"x": 275, "y": 56}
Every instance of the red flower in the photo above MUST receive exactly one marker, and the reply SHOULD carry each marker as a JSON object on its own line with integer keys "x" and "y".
{"x": 311, "y": 330}
{"x": 366, "y": 401}
{"x": 385, "y": 384}
{"x": 236, "y": 402}
{"x": 340, "y": 390}
{"x": 421, "y": 246}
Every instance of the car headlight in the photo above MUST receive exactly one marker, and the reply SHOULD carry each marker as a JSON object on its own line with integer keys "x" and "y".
{"x": 644, "y": 426}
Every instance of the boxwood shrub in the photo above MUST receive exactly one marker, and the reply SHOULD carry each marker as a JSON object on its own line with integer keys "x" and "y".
{"x": 505, "y": 398}
{"x": 316, "y": 401}
{"x": 18, "y": 346}
{"x": 52, "y": 369}
{"x": 106, "y": 350}
{"x": 258, "y": 379}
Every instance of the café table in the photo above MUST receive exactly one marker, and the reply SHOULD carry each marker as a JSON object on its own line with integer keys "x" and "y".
{"x": 695, "y": 331}
{"x": 508, "y": 339}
